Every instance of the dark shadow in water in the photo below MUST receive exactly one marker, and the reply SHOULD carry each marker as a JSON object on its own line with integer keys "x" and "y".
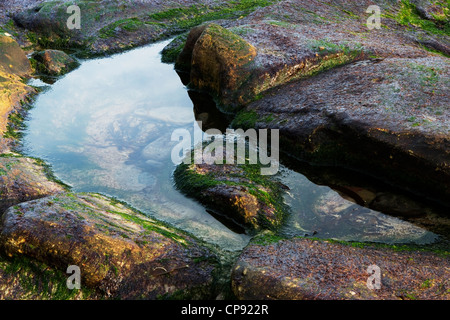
{"x": 227, "y": 222}
{"x": 354, "y": 186}
{"x": 374, "y": 194}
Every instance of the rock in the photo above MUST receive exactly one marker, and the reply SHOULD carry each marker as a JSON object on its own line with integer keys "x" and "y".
{"x": 238, "y": 192}
{"x": 385, "y": 118}
{"x": 220, "y": 62}
{"x": 14, "y": 67}
{"x": 306, "y": 269}
{"x": 120, "y": 25}
{"x": 120, "y": 253}
{"x": 23, "y": 179}
{"x": 54, "y": 62}
{"x": 295, "y": 40}
{"x": 12, "y": 58}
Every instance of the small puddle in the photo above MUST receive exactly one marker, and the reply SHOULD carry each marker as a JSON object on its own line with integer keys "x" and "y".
{"x": 106, "y": 127}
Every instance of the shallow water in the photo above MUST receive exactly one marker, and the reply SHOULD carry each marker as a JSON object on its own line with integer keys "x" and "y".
{"x": 106, "y": 127}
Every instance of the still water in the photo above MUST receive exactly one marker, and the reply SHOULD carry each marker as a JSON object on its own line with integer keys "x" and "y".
{"x": 106, "y": 127}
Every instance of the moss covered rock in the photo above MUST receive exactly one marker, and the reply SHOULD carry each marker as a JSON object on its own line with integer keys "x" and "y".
{"x": 54, "y": 62}
{"x": 23, "y": 179}
{"x": 14, "y": 67}
{"x": 238, "y": 192}
{"x": 221, "y": 62}
{"x": 120, "y": 253}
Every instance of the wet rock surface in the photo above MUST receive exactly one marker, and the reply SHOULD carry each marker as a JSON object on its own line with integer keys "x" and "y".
{"x": 388, "y": 119}
{"x": 305, "y": 269}
{"x": 14, "y": 67}
{"x": 238, "y": 192}
{"x": 54, "y": 62}
{"x": 385, "y": 115}
{"x": 121, "y": 253}
{"x": 23, "y": 179}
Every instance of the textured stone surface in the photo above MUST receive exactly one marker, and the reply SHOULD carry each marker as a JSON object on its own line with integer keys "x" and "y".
{"x": 54, "y": 62}
{"x": 304, "y": 269}
{"x": 121, "y": 253}
{"x": 23, "y": 179}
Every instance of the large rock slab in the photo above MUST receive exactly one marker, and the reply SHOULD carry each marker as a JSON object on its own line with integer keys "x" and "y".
{"x": 120, "y": 253}
{"x": 14, "y": 67}
{"x": 298, "y": 39}
{"x": 23, "y": 179}
{"x": 307, "y": 269}
{"x": 386, "y": 118}
{"x": 12, "y": 58}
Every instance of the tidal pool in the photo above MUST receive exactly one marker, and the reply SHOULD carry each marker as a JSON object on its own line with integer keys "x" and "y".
{"x": 106, "y": 127}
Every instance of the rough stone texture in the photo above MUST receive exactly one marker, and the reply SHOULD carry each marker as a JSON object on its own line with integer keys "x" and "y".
{"x": 387, "y": 118}
{"x": 220, "y": 61}
{"x": 296, "y": 39}
{"x": 54, "y": 62}
{"x": 23, "y": 179}
{"x": 120, "y": 25}
{"x": 120, "y": 252}
{"x": 12, "y": 58}
{"x": 14, "y": 66}
{"x": 304, "y": 269}
{"x": 231, "y": 191}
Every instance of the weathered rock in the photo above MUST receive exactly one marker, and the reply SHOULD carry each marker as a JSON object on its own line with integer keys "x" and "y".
{"x": 220, "y": 62}
{"x": 54, "y": 62}
{"x": 12, "y": 58}
{"x": 294, "y": 40}
{"x": 121, "y": 25}
{"x": 238, "y": 192}
{"x": 14, "y": 66}
{"x": 304, "y": 269}
{"x": 386, "y": 118}
{"x": 120, "y": 252}
{"x": 23, "y": 179}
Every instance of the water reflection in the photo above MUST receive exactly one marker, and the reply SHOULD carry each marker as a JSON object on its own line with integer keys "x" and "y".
{"x": 106, "y": 127}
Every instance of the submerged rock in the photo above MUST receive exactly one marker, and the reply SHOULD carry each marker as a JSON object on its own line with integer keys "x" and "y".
{"x": 306, "y": 269}
{"x": 23, "y": 179}
{"x": 120, "y": 253}
{"x": 54, "y": 62}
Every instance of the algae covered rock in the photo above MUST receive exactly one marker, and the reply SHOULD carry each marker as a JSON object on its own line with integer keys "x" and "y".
{"x": 14, "y": 67}
{"x": 308, "y": 269}
{"x": 54, "y": 62}
{"x": 387, "y": 118}
{"x": 238, "y": 192}
{"x": 12, "y": 58}
{"x": 23, "y": 179}
{"x": 220, "y": 61}
{"x": 120, "y": 252}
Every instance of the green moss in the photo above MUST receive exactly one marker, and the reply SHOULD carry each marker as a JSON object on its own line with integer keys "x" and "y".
{"x": 245, "y": 119}
{"x": 39, "y": 281}
{"x": 188, "y": 17}
{"x": 131, "y": 25}
{"x": 152, "y": 226}
{"x": 408, "y": 15}
{"x": 48, "y": 171}
{"x": 266, "y": 190}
